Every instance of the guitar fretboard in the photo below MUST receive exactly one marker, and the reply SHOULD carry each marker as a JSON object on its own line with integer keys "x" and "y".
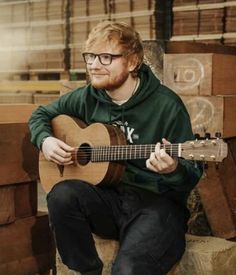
{"x": 125, "y": 152}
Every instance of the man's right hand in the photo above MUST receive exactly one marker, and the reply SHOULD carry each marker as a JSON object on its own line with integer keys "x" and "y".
{"x": 57, "y": 151}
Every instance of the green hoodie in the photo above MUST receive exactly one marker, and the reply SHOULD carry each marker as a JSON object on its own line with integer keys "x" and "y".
{"x": 152, "y": 113}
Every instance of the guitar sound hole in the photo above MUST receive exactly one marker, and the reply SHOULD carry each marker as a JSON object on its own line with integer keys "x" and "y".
{"x": 84, "y": 154}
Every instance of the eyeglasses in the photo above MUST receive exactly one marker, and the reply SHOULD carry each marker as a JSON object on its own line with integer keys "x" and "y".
{"x": 104, "y": 58}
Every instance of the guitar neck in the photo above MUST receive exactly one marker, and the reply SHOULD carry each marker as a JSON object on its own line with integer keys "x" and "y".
{"x": 126, "y": 152}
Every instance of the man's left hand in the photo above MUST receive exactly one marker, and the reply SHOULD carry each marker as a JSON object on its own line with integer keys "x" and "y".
{"x": 160, "y": 162}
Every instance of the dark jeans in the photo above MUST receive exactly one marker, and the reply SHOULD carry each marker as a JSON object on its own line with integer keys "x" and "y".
{"x": 150, "y": 228}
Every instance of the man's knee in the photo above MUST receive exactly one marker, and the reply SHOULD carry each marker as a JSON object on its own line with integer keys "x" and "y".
{"x": 64, "y": 197}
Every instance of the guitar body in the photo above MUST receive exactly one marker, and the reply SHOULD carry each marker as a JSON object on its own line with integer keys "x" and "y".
{"x": 76, "y": 134}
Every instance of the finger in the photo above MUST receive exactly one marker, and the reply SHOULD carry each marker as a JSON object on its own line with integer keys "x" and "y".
{"x": 165, "y": 141}
{"x": 157, "y": 150}
{"x": 60, "y": 160}
{"x": 65, "y": 146}
{"x": 62, "y": 153}
{"x": 150, "y": 166}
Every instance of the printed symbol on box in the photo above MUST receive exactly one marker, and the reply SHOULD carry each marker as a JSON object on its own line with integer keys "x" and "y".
{"x": 186, "y": 73}
{"x": 202, "y": 113}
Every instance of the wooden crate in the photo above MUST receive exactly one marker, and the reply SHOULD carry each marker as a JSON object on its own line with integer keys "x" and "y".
{"x": 17, "y": 201}
{"x": 200, "y": 74}
{"x": 26, "y": 246}
{"x": 212, "y": 114}
{"x": 20, "y": 156}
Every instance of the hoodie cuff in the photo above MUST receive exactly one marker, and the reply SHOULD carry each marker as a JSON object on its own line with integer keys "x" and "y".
{"x": 176, "y": 176}
{"x": 41, "y": 139}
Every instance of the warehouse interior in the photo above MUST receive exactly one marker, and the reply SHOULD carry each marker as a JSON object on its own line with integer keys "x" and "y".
{"x": 190, "y": 46}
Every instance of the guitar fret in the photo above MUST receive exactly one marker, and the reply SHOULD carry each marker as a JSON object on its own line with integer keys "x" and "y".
{"x": 116, "y": 153}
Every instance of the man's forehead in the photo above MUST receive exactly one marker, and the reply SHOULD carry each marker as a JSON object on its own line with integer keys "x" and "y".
{"x": 105, "y": 46}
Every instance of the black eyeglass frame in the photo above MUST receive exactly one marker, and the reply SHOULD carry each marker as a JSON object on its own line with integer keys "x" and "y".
{"x": 112, "y": 56}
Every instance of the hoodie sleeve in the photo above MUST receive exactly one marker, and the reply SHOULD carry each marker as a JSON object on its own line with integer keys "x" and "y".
{"x": 187, "y": 173}
{"x": 40, "y": 123}
{"x": 40, "y": 120}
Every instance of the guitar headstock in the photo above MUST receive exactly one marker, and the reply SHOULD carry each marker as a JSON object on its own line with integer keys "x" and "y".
{"x": 205, "y": 150}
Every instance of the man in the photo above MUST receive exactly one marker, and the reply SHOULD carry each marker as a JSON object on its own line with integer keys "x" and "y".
{"x": 146, "y": 211}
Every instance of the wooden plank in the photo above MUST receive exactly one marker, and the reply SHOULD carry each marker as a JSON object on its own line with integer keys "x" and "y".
{"x": 17, "y": 201}
{"x": 200, "y": 74}
{"x": 67, "y": 86}
{"x": 25, "y": 199}
{"x": 9, "y": 113}
{"x": 227, "y": 172}
{"x": 37, "y": 264}
{"x": 9, "y": 98}
{"x": 20, "y": 156}
{"x": 7, "y": 209}
{"x": 197, "y": 22}
{"x": 229, "y": 117}
{"x": 33, "y": 86}
{"x": 44, "y": 99}
{"x": 24, "y": 250}
{"x": 216, "y": 204}
{"x": 198, "y": 37}
{"x": 207, "y": 5}
{"x": 175, "y": 47}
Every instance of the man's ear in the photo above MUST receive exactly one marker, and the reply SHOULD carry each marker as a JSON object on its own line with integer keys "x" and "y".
{"x": 133, "y": 62}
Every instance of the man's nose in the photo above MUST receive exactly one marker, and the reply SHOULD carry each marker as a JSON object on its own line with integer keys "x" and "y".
{"x": 96, "y": 62}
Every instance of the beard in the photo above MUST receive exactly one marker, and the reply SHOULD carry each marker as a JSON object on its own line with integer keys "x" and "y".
{"x": 108, "y": 82}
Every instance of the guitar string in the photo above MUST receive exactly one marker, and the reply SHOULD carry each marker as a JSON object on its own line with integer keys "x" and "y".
{"x": 136, "y": 146}
{"x": 129, "y": 148}
{"x": 132, "y": 151}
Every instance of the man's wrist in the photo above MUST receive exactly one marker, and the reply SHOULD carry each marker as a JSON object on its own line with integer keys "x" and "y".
{"x": 41, "y": 143}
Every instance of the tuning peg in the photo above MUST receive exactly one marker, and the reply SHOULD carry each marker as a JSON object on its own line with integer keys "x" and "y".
{"x": 218, "y": 135}
{"x": 207, "y": 135}
{"x": 197, "y": 136}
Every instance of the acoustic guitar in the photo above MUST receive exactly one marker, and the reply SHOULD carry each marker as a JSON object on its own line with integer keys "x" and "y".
{"x": 100, "y": 151}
